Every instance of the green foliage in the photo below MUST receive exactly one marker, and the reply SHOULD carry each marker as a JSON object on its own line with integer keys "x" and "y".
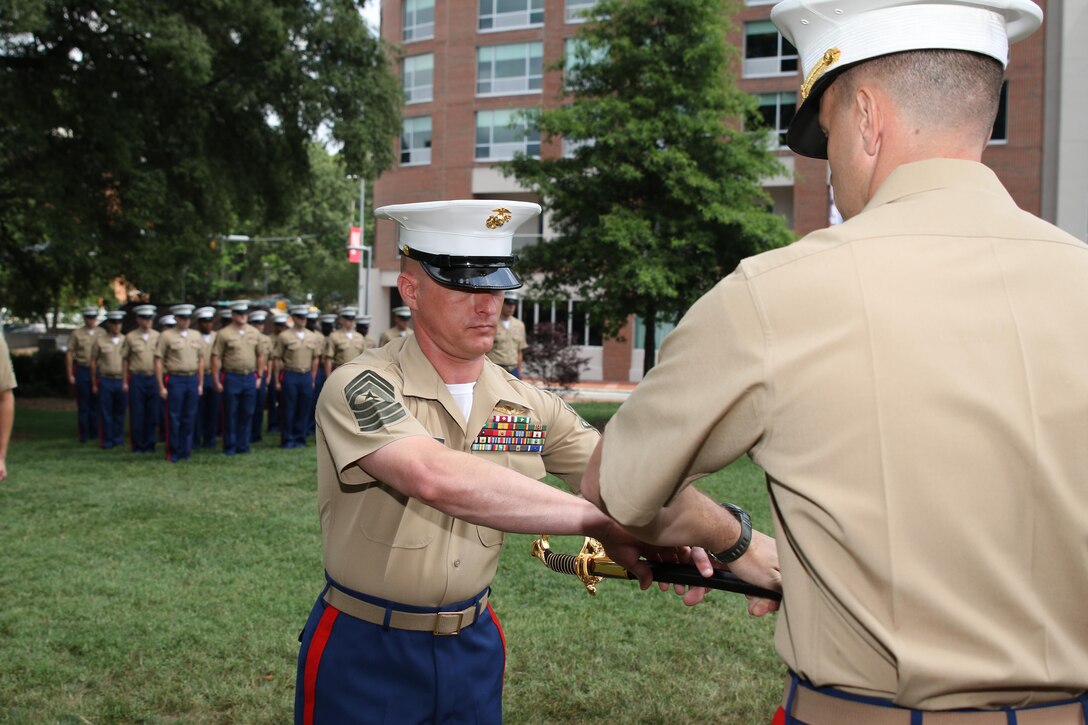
{"x": 135, "y": 591}
{"x": 42, "y": 374}
{"x": 316, "y": 263}
{"x": 663, "y": 197}
{"x": 133, "y": 132}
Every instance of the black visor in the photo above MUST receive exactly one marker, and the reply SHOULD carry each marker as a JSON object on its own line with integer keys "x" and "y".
{"x": 468, "y": 273}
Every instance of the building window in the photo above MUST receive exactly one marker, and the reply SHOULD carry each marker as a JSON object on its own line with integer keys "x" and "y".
{"x": 766, "y": 52}
{"x": 415, "y": 141}
{"x": 505, "y": 69}
{"x": 576, "y": 55}
{"x": 508, "y": 14}
{"x": 570, "y": 148}
{"x": 1000, "y": 133}
{"x": 578, "y": 11}
{"x": 419, "y": 78}
{"x": 777, "y": 110}
{"x": 570, "y": 315}
{"x": 418, "y": 20}
{"x": 500, "y": 134}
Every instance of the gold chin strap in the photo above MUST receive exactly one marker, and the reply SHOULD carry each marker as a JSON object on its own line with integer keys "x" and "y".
{"x": 829, "y": 59}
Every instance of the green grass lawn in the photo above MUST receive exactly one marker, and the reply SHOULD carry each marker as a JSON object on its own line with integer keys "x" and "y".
{"x": 134, "y": 591}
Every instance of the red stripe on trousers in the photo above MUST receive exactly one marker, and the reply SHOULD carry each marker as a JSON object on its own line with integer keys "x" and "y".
{"x": 313, "y": 659}
{"x": 779, "y": 717}
{"x": 502, "y": 636}
{"x": 166, "y": 412}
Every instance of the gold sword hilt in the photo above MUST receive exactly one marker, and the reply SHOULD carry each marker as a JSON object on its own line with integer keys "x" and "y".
{"x": 591, "y": 564}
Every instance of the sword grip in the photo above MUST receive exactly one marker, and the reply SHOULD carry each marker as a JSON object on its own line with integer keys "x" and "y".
{"x": 561, "y": 563}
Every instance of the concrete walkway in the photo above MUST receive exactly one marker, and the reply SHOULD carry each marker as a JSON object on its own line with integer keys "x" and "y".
{"x": 597, "y": 391}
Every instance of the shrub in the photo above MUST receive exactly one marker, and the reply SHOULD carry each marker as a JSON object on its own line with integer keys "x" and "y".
{"x": 551, "y": 357}
{"x": 41, "y": 375}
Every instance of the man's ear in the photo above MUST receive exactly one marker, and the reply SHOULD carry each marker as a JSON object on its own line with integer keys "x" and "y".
{"x": 869, "y": 111}
{"x": 408, "y": 286}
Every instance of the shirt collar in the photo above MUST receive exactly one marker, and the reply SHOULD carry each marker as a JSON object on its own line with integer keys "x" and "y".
{"x": 421, "y": 380}
{"x": 934, "y": 174}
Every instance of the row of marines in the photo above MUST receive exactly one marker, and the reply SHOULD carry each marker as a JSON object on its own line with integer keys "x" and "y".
{"x": 187, "y": 386}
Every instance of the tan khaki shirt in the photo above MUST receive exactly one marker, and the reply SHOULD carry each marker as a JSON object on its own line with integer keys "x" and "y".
{"x": 237, "y": 349}
{"x": 913, "y": 383}
{"x": 140, "y": 352}
{"x": 297, "y": 352}
{"x": 341, "y": 346}
{"x": 7, "y": 374}
{"x": 79, "y": 344}
{"x": 509, "y": 342}
{"x": 179, "y": 353}
{"x": 376, "y": 540}
{"x": 394, "y": 334}
{"x": 108, "y": 355}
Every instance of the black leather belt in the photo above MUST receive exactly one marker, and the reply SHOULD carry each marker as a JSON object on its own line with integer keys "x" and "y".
{"x": 238, "y": 372}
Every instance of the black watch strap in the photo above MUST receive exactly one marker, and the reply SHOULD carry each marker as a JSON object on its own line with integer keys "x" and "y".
{"x": 737, "y": 550}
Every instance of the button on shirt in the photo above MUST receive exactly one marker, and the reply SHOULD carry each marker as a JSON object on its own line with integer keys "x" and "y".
{"x": 237, "y": 348}
{"x": 180, "y": 352}
{"x": 381, "y": 543}
{"x": 912, "y": 382}
{"x": 139, "y": 349}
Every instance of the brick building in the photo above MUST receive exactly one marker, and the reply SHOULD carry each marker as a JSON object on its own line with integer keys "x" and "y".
{"x": 468, "y": 64}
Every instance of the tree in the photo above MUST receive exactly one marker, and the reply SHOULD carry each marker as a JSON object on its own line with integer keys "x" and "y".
{"x": 132, "y": 132}
{"x": 662, "y": 196}
{"x": 307, "y": 253}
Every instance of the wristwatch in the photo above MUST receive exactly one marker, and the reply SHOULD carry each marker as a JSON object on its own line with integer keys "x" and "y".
{"x": 737, "y": 550}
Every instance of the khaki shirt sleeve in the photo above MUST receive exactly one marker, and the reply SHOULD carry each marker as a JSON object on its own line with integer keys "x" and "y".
{"x": 95, "y": 351}
{"x": 218, "y": 345}
{"x": 160, "y": 346}
{"x": 360, "y": 412}
{"x": 570, "y": 440}
{"x": 698, "y": 410}
{"x": 7, "y": 372}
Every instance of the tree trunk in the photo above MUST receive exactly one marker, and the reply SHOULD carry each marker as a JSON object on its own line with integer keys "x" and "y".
{"x": 649, "y": 349}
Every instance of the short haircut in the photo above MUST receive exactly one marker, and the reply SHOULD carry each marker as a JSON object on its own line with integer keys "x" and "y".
{"x": 943, "y": 89}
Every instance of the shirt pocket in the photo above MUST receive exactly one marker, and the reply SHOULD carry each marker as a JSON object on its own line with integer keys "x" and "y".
{"x": 415, "y": 528}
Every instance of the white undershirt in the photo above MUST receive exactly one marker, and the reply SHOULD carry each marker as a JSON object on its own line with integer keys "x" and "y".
{"x": 462, "y": 395}
{"x": 505, "y": 323}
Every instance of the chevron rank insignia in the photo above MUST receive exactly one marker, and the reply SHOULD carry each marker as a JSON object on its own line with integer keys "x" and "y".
{"x": 371, "y": 399}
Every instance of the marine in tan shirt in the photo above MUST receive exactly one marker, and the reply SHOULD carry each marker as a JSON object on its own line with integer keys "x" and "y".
{"x": 912, "y": 383}
{"x": 345, "y": 343}
{"x": 402, "y": 319}
{"x": 510, "y": 343}
{"x": 138, "y": 350}
{"x": 108, "y": 381}
{"x": 77, "y": 362}
{"x": 179, "y": 370}
{"x": 426, "y": 453}
{"x": 296, "y": 353}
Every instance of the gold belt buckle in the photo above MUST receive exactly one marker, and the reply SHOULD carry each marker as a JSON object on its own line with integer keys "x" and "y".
{"x": 440, "y": 630}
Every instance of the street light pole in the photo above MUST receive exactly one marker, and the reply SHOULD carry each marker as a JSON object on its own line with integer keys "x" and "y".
{"x": 363, "y": 291}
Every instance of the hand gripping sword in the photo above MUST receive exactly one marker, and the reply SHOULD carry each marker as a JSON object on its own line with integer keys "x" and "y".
{"x": 592, "y": 566}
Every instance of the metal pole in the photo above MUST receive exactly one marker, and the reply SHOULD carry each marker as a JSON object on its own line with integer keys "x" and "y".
{"x": 363, "y": 291}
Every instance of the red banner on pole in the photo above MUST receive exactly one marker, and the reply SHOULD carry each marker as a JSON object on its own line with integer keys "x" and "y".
{"x": 354, "y": 243}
